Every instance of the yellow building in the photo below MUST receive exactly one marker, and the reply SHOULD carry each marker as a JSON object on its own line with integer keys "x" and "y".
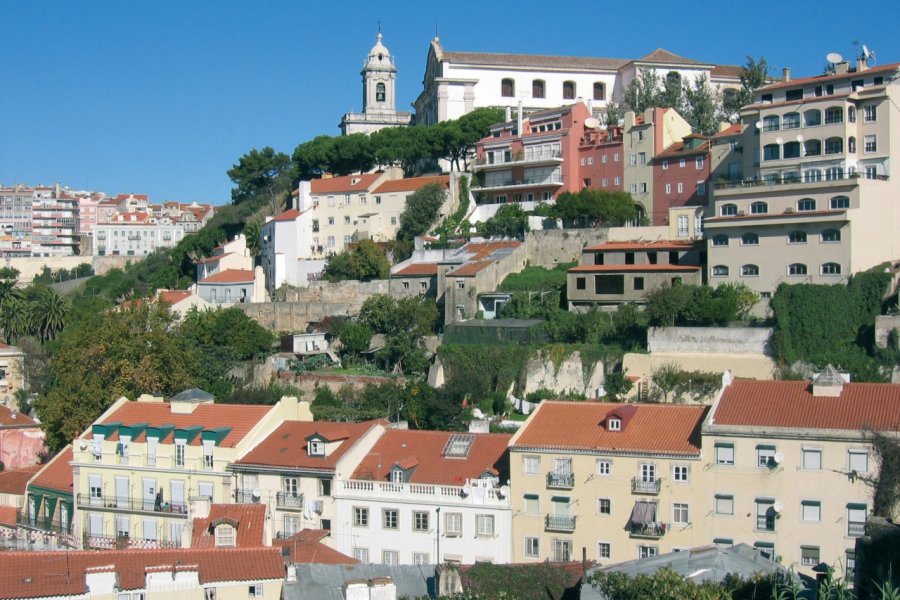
{"x": 136, "y": 472}
{"x": 618, "y": 480}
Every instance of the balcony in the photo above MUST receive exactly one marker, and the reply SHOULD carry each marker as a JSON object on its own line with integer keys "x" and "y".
{"x": 289, "y": 501}
{"x": 856, "y": 529}
{"x": 40, "y": 524}
{"x": 443, "y": 494}
{"x": 245, "y": 497}
{"x": 558, "y": 523}
{"x": 122, "y": 542}
{"x": 561, "y": 481}
{"x": 647, "y": 530}
{"x": 639, "y": 486}
{"x": 283, "y": 535}
{"x": 520, "y": 159}
{"x": 758, "y": 181}
{"x": 125, "y": 504}
{"x": 513, "y": 184}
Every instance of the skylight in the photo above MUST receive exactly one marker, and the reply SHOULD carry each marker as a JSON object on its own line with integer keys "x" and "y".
{"x": 458, "y": 445}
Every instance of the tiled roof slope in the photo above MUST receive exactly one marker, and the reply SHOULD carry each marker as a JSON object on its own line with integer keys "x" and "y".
{"x": 412, "y": 184}
{"x": 287, "y": 447}
{"x": 431, "y": 466}
{"x": 621, "y": 246}
{"x": 306, "y": 547}
{"x": 829, "y": 77}
{"x": 790, "y": 404}
{"x": 417, "y": 270}
{"x": 654, "y": 428}
{"x": 57, "y": 474}
{"x": 535, "y": 61}
{"x": 334, "y": 185}
{"x": 14, "y": 481}
{"x": 230, "y": 276}
{"x": 13, "y": 418}
{"x": 249, "y": 521}
{"x": 42, "y": 574}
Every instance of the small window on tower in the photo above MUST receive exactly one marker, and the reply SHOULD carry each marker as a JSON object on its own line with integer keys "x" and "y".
{"x": 379, "y": 92}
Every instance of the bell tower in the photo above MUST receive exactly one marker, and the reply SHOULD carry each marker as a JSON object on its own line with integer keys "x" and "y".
{"x": 379, "y": 78}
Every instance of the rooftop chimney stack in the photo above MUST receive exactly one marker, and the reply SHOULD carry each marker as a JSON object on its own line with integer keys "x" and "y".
{"x": 786, "y": 74}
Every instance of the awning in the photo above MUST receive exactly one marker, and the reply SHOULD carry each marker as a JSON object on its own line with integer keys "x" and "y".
{"x": 643, "y": 513}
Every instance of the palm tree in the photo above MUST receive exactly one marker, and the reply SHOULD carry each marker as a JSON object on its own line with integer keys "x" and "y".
{"x": 253, "y": 234}
{"x": 8, "y": 291}
{"x": 14, "y": 316}
{"x": 48, "y": 314}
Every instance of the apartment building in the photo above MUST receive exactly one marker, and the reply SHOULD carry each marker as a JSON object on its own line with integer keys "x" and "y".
{"x": 21, "y": 439}
{"x": 427, "y": 497}
{"x": 616, "y": 479}
{"x": 681, "y": 175}
{"x": 786, "y": 463}
{"x": 143, "y": 463}
{"x": 48, "y": 513}
{"x": 812, "y": 199}
{"x": 383, "y": 222}
{"x": 619, "y": 272}
{"x": 135, "y": 233}
{"x": 292, "y": 471}
{"x": 229, "y": 255}
{"x": 39, "y": 221}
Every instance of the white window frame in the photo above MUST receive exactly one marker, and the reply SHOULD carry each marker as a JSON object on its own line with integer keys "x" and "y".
{"x": 810, "y": 511}
{"x": 360, "y": 516}
{"x": 604, "y": 467}
{"x": 808, "y": 455}
{"x": 421, "y": 520}
{"x": 604, "y": 551}
{"x": 484, "y": 525}
{"x": 722, "y": 503}
{"x": 723, "y": 451}
{"x": 532, "y": 547}
{"x": 853, "y": 458}
{"x": 681, "y": 473}
{"x": 681, "y": 513}
{"x": 388, "y": 515}
{"x": 531, "y": 465}
{"x": 604, "y": 502}
{"x": 453, "y": 524}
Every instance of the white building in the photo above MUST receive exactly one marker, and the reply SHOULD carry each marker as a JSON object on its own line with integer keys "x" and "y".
{"x": 230, "y": 255}
{"x": 135, "y": 234}
{"x": 426, "y": 497}
{"x": 233, "y": 286}
{"x": 379, "y": 76}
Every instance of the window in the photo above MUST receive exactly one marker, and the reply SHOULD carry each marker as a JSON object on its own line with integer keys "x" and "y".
{"x": 569, "y": 90}
{"x": 812, "y": 458}
{"x": 484, "y": 524}
{"x": 797, "y": 237}
{"x": 698, "y": 162}
{"x": 728, "y": 210}
{"x": 765, "y": 549}
{"x": 379, "y": 92}
{"x": 682, "y": 163}
{"x": 123, "y": 526}
{"x": 603, "y": 550}
{"x": 179, "y": 453}
{"x": 792, "y": 150}
{"x": 724, "y": 454}
{"x": 871, "y": 172}
{"x": 796, "y": 269}
{"x": 599, "y": 91}
{"x": 665, "y": 165}
{"x": 720, "y": 240}
{"x": 420, "y": 521}
{"x": 809, "y": 556}
{"x": 361, "y": 554}
{"x": 604, "y": 506}
{"x": 255, "y": 591}
{"x": 681, "y": 473}
{"x": 316, "y": 448}
{"x": 858, "y": 460}
{"x": 532, "y": 547}
{"x": 839, "y": 202}
{"x": 834, "y": 115}
{"x": 791, "y": 120}
{"x": 812, "y": 117}
{"x": 835, "y": 145}
{"x": 537, "y": 88}
{"x": 604, "y": 467}
{"x": 680, "y": 187}
{"x": 849, "y": 565}
{"x": 324, "y": 489}
{"x": 614, "y": 424}
{"x": 680, "y": 513}
{"x": 856, "y": 519}
{"x": 453, "y": 523}
{"x": 870, "y": 113}
{"x": 765, "y": 456}
{"x": 701, "y": 188}
{"x": 390, "y": 518}
{"x": 224, "y": 535}
{"x": 421, "y": 558}
{"x": 870, "y": 144}
{"x": 638, "y": 284}
{"x": 771, "y": 152}
{"x": 750, "y": 239}
{"x": 765, "y": 514}
{"x": 507, "y": 88}
{"x": 771, "y": 123}
{"x": 562, "y": 550}
{"x": 647, "y": 551}
{"x": 811, "y": 510}
{"x": 390, "y": 557}
{"x": 531, "y": 504}
{"x": 361, "y": 517}
{"x": 331, "y": 220}
{"x": 831, "y": 235}
{"x": 759, "y": 208}
{"x": 531, "y": 465}
{"x": 831, "y": 268}
{"x": 720, "y": 271}
{"x": 346, "y": 220}
{"x": 580, "y": 283}
{"x": 750, "y": 270}
{"x": 806, "y": 204}
{"x": 648, "y": 472}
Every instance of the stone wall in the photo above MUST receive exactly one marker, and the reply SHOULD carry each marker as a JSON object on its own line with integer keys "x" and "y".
{"x": 550, "y": 247}
{"x": 884, "y": 325}
{"x": 308, "y": 382}
{"x": 725, "y": 340}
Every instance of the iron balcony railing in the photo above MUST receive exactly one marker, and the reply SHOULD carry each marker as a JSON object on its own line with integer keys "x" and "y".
{"x": 856, "y": 529}
{"x": 147, "y": 505}
{"x": 561, "y": 480}
{"x": 42, "y": 524}
{"x": 246, "y": 497}
{"x": 640, "y": 486}
{"x": 558, "y": 523}
{"x": 647, "y": 530}
{"x": 765, "y": 523}
{"x": 122, "y": 542}
{"x": 288, "y": 500}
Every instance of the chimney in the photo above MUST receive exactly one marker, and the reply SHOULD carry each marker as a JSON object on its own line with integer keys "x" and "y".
{"x": 786, "y": 74}
{"x": 861, "y": 64}
{"x": 841, "y": 68}
{"x": 508, "y": 113}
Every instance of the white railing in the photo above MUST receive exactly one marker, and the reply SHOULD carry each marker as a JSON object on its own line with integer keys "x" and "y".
{"x": 468, "y": 494}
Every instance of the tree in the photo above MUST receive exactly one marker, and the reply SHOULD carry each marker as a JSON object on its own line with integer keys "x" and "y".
{"x": 352, "y": 154}
{"x": 666, "y": 304}
{"x": 314, "y": 158}
{"x": 754, "y": 75}
{"x": 422, "y": 209}
{"x": 403, "y": 322}
{"x": 701, "y": 107}
{"x": 591, "y": 208}
{"x": 613, "y": 114}
{"x": 642, "y": 92}
{"x": 228, "y": 328}
{"x": 510, "y": 221}
{"x": 260, "y": 172}
{"x": 365, "y": 262}
{"x": 48, "y": 314}
{"x": 253, "y": 235}
{"x": 355, "y": 338}
{"x": 457, "y": 138}
{"x": 14, "y": 319}
{"x": 666, "y": 378}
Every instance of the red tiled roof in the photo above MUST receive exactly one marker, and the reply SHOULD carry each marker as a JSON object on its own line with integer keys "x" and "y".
{"x": 653, "y": 428}
{"x": 306, "y": 547}
{"x": 632, "y": 268}
{"x": 14, "y": 481}
{"x": 417, "y": 270}
{"x": 8, "y": 516}
{"x": 412, "y": 184}
{"x": 174, "y": 296}
{"x": 661, "y": 55}
{"x": 334, "y": 185}
{"x": 678, "y": 149}
{"x": 828, "y": 77}
{"x": 288, "y": 215}
{"x": 13, "y": 418}
{"x": 791, "y": 404}
{"x": 57, "y": 474}
{"x": 249, "y": 521}
{"x": 726, "y": 71}
{"x": 427, "y": 447}
{"x": 620, "y": 246}
{"x": 729, "y": 131}
{"x": 42, "y": 574}
{"x": 213, "y": 258}
{"x": 241, "y": 418}
{"x": 485, "y": 249}
{"x": 230, "y": 276}
{"x": 287, "y": 447}
{"x": 470, "y": 269}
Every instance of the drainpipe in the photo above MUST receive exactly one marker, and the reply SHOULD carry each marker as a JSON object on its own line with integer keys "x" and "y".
{"x": 519, "y": 129}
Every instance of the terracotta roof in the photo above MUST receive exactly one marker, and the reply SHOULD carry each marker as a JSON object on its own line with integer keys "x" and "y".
{"x": 174, "y": 296}
{"x": 726, "y": 71}
{"x": 652, "y": 428}
{"x": 487, "y": 453}
{"x": 288, "y": 215}
{"x": 661, "y": 55}
{"x": 42, "y": 574}
{"x": 729, "y": 131}
{"x": 333, "y": 185}
{"x": 249, "y": 521}
{"x": 412, "y": 184}
{"x": 417, "y": 270}
{"x": 829, "y": 77}
{"x": 484, "y": 249}
{"x": 286, "y": 446}
{"x": 622, "y": 246}
{"x": 785, "y": 215}
{"x": 241, "y": 418}
{"x": 791, "y": 404}
{"x": 14, "y": 481}
{"x": 13, "y": 418}
{"x": 8, "y": 516}
{"x": 306, "y": 547}
{"x": 679, "y": 149}
{"x": 632, "y": 268}
{"x": 57, "y": 474}
{"x": 230, "y": 276}
{"x": 536, "y": 61}
{"x": 803, "y": 101}
{"x": 470, "y": 269}
{"x": 213, "y": 258}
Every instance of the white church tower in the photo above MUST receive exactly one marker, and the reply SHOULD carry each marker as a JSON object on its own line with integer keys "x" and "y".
{"x": 379, "y": 77}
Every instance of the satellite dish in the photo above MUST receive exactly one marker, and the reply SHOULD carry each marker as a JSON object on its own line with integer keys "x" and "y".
{"x": 800, "y": 138}
{"x": 834, "y": 58}
{"x": 256, "y": 494}
{"x": 759, "y": 124}
{"x": 466, "y": 490}
{"x": 779, "y": 140}
{"x": 592, "y": 123}
{"x": 778, "y": 458}
{"x": 82, "y": 445}
{"x": 504, "y": 491}
{"x": 866, "y": 53}
{"x": 778, "y": 507}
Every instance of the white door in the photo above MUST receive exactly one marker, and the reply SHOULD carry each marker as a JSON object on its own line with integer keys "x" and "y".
{"x": 95, "y": 487}
{"x": 122, "y": 492}
{"x": 177, "y": 496}
{"x": 148, "y": 493}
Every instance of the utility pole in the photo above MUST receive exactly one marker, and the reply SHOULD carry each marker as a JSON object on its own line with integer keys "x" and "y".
{"x": 438, "y": 557}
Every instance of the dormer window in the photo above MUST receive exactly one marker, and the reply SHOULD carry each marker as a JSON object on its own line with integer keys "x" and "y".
{"x": 224, "y": 535}
{"x": 614, "y": 424}
{"x": 397, "y": 476}
{"x": 316, "y": 448}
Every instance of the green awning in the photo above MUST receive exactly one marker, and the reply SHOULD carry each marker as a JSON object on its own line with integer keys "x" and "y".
{"x": 187, "y": 434}
{"x": 105, "y": 429}
{"x": 132, "y": 431}
{"x": 50, "y": 502}
{"x": 216, "y": 434}
{"x": 159, "y": 432}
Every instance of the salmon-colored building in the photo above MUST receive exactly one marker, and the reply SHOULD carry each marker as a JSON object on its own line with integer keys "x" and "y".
{"x": 681, "y": 176}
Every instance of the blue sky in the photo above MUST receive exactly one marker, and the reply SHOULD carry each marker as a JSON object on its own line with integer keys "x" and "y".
{"x": 162, "y": 97}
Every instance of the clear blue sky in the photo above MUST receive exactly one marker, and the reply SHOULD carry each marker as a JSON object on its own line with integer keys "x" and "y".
{"x": 162, "y": 97}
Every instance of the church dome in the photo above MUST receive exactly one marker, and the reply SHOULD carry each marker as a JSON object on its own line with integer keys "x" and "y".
{"x": 379, "y": 56}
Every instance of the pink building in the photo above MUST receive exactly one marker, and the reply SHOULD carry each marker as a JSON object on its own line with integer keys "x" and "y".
{"x": 21, "y": 439}
{"x": 88, "y": 211}
{"x": 681, "y": 176}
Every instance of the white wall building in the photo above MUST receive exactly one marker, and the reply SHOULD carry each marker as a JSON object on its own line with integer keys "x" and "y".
{"x": 135, "y": 234}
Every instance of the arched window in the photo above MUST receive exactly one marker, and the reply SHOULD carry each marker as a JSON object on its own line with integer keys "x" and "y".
{"x": 759, "y": 208}
{"x": 720, "y": 271}
{"x": 813, "y": 147}
{"x": 507, "y": 88}
{"x": 568, "y": 90}
{"x": 537, "y": 88}
{"x": 750, "y": 270}
{"x": 839, "y": 202}
{"x": 771, "y": 123}
{"x": 599, "y": 91}
{"x": 720, "y": 240}
{"x": 797, "y": 237}
{"x": 806, "y": 204}
{"x": 379, "y": 92}
{"x": 790, "y": 121}
{"x": 831, "y": 235}
{"x": 771, "y": 152}
{"x": 851, "y": 114}
{"x": 831, "y": 268}
{"x": 792, "y": 150}
{"x": 835, "y": 114}
{"x": 812, "y": 175}
{"x": 750, "y": 239}
{"x": 851, "y": 144}
{"x": 812, "y": 117}
{"x": 728, "y": 210}
{"x": 797, "y": 269}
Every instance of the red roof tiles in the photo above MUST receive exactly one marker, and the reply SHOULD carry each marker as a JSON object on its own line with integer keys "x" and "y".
{"x": 8, "y": 516}
{"x": 417, "y": 270}
{"x": 288, "y": 215}
{"x": 14, "y": 481}
{"x": 306, "y": 547}
{"x": 791, "y": 404}
{"x": 57, "y": 474}
{"x": 230, "y": 276}
{"x": 412, "y": 184}
{"x": 470, "y": 269}
{"x": 399, "y": 446}
{"x": 829, "y": 77}
{"x": 346, "y": 184}
{"x": 249, "y": 521}
{"x": 213, "y": 258}
{"x": 13, "y": 418}
{"x": 174, "y": 296}
{"x": 652, "y": 428}
{"x": 484, "y": 249}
